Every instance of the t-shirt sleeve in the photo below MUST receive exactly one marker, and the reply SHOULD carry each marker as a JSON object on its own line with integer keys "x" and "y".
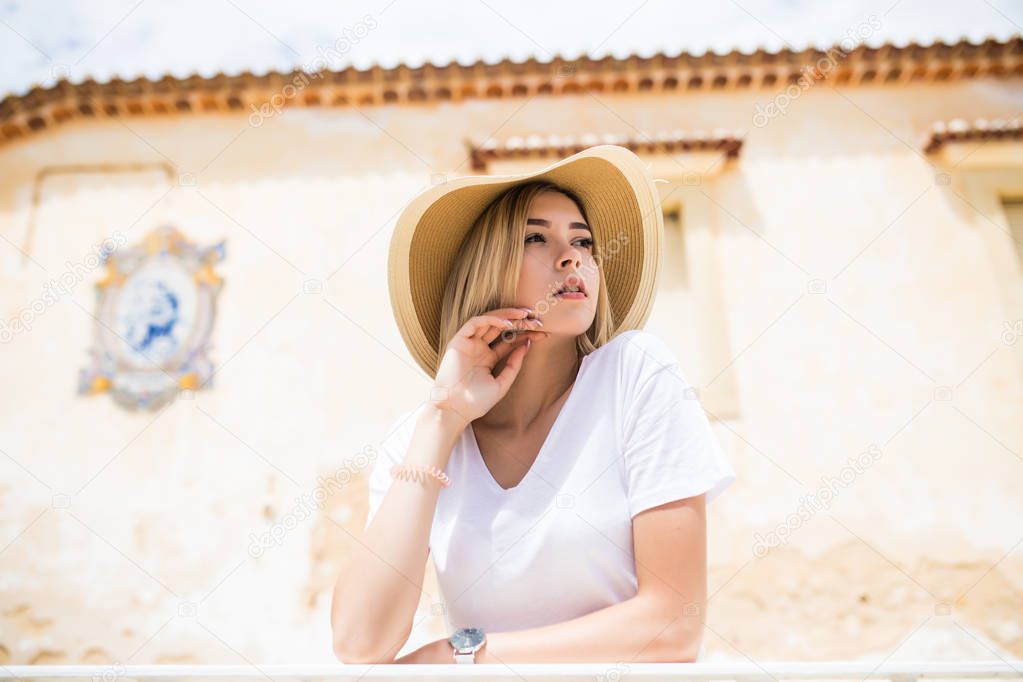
{"x": 390, "y": 451}
{"x": 670, "y": 450}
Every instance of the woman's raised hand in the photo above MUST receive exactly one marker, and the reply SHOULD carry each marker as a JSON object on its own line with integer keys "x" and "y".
{"x": 465, "y": 383}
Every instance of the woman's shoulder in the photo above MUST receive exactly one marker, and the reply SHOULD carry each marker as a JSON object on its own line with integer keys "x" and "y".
{"x": 639, "y": 351}
{"x": 630, "y": 359}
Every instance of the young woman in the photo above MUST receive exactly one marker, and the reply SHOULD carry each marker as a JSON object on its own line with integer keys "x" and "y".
{"x": 558, "y": 471}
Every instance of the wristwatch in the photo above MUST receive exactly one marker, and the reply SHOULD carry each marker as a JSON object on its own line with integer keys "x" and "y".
{"x": 466, "y": 642}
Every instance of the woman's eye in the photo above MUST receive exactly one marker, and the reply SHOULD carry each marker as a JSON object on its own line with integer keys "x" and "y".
{"x": 585, "y": 242}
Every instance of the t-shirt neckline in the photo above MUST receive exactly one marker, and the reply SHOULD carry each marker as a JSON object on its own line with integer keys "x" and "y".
{"x": 481, "y": 466}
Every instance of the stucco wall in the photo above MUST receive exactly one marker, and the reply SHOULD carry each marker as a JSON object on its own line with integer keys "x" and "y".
{"x": 851, "y": 292}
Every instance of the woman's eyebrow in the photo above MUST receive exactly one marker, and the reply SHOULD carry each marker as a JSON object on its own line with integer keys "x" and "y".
{"x": 547, "y": 223}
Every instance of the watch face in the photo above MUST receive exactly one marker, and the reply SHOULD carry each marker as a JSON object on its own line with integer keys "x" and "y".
{"x": 466, "y": 638}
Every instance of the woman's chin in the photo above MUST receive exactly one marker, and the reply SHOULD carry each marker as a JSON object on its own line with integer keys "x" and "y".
{"x": 566, "y": 325}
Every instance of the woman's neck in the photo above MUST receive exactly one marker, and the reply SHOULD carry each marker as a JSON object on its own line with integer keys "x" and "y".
{"x": 548, "y": 371}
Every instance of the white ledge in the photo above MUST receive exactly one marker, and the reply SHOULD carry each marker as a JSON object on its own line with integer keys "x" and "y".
{"x": 897, "y": 671}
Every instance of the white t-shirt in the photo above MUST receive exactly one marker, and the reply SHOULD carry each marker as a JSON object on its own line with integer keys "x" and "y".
{"x": 630, "y": 435}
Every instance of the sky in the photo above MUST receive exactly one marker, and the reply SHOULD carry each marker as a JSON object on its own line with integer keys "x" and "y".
{"x": 46, "y": 40}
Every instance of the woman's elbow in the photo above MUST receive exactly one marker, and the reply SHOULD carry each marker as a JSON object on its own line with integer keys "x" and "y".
{"x": 346, "y": 652}
{"x": 354, "y": 643}
{"x": 680, "y": 642}
{"x": 681, "y": 652}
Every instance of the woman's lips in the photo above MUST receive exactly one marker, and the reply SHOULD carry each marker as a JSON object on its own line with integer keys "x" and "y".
{"x": 572, "y": 295}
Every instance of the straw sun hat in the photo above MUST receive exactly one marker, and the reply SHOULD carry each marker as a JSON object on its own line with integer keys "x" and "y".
{"x": 622, "y": 206}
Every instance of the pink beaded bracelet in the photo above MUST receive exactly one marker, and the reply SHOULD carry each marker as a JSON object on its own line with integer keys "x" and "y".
{"x": 417, "y": 472}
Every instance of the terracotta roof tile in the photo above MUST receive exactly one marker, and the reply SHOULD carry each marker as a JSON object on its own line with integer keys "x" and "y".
{"x": 252, "y": 93}
{"x": 959, "y": 130}
{"x": 559, "y": 146}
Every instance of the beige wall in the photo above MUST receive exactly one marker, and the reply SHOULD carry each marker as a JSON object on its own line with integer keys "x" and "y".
{"x": 898, "y": 351}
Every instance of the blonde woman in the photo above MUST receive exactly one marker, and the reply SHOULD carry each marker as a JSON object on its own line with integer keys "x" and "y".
{"x": 558, "y": 470}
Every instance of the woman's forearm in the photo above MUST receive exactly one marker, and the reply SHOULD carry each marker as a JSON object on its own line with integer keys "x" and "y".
{"x": 379, "y": 588}
{"x": 643, "y": 629}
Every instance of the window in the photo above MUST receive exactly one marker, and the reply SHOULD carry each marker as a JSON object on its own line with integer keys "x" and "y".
{"x": 689, "y": 312}
{"x": 676, "y": 273}
{"x": 1014, "y": 218}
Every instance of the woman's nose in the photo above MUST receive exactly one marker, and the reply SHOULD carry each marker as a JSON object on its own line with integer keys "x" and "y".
{"x": 571, "y": 258}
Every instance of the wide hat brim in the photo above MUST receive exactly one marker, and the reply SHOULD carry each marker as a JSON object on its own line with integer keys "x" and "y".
{"x": 623, "y": 209}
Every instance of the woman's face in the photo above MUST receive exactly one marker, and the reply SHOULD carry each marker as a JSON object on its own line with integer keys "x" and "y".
{"x": 557, "y": 253}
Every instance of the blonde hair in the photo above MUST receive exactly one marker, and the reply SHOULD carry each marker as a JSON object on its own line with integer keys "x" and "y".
{"x": 486, "y": 270}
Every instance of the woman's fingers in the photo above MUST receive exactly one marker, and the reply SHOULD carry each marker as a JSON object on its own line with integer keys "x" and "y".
{"x": 509, "y": 333}
{"x": 480, "y": 324}
{"x": 506, "y": 377}
{"x": 513, "y": 312}
{"x": 502, "y": 348}
{"x": 499, "y": 318}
